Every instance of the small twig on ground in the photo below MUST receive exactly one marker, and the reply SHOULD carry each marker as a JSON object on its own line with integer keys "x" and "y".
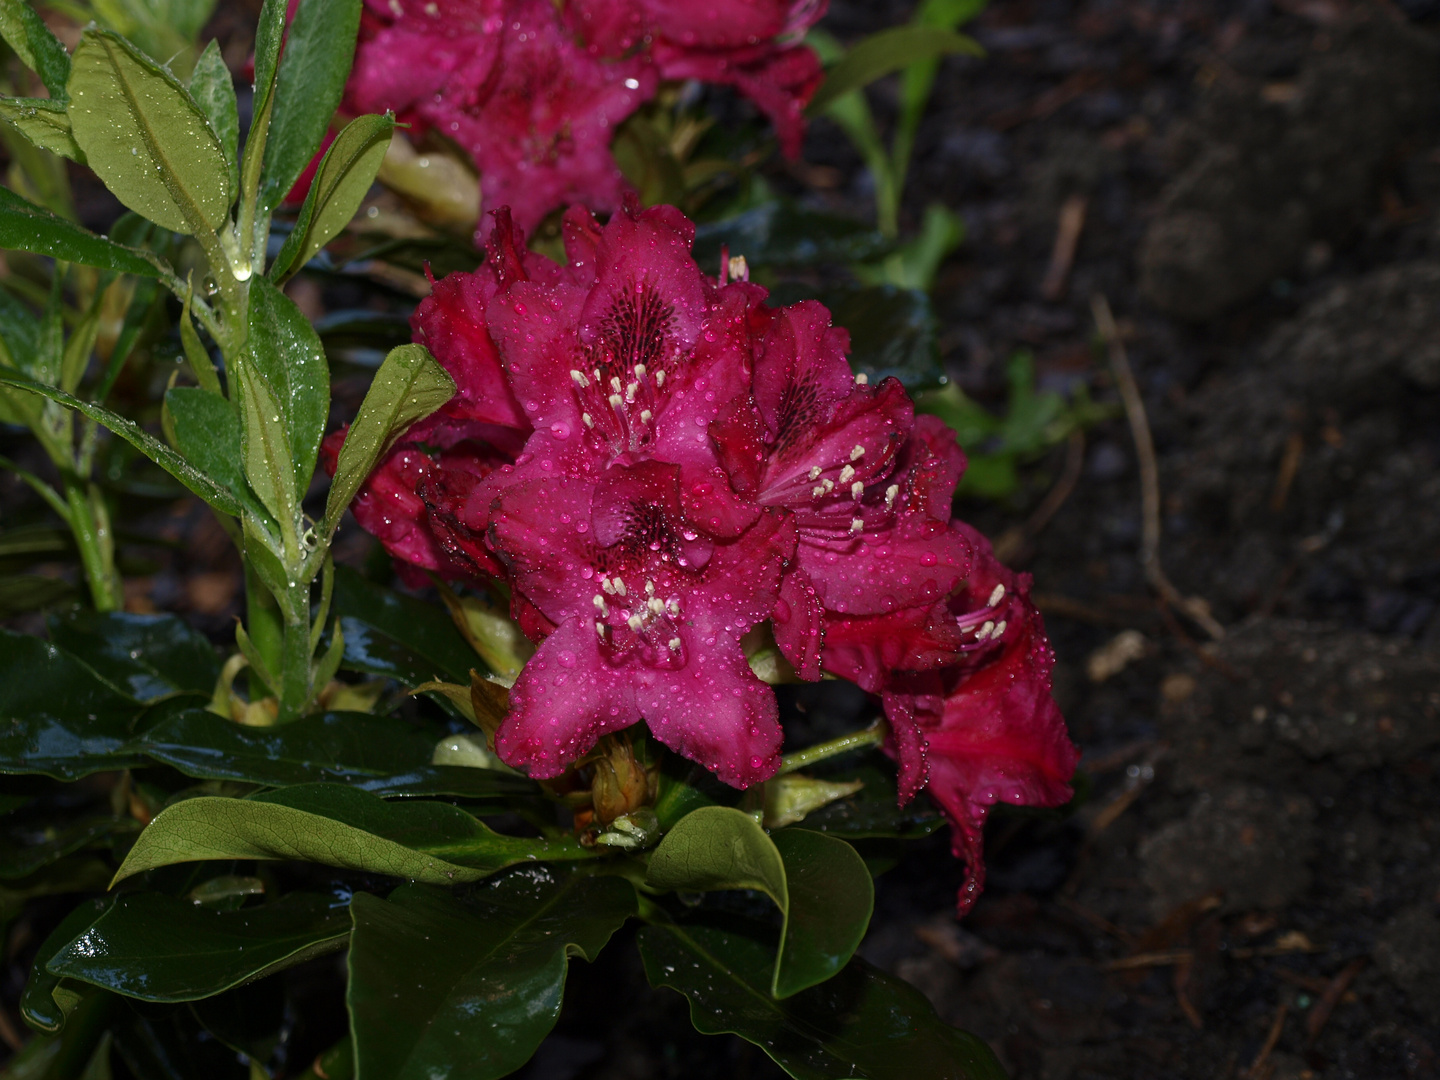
{"x": 1289, "y": 467}
{"x": 1315, "y": 1022}
{"x": 1270, "y": 1040}
{"x": 1067, "y": 239}
{"x": 1098, "y": 921}
{"x": 1183, "y": 971}
{"x": 1015, "y": 541}
{"x": 1195, "y": 608}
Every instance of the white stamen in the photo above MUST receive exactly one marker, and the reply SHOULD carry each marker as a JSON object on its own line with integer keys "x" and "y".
{"x": 635, "y": 622}
{"x": 619, "y": 586}
{"x": 649, "y": 587}
{"x": 890, "y": 493}
{"x": 588, "y": 419}
{"x": 847, "y": 474}
{"x": 999, "y": 629}
{"x": 615, "y": 383}
{"x": 674, "y": 644}
{"x": 660, "y": 377}
{"x": 630, "y": 391}
{"x": 640, "y": 370}
{"x": 857, "y": 453}
{"x": 856, "y": 490}
{"x": 597, "y": 374}
{"x": 646, "y": 416}
{"x": 599, "y": 628}
{"x": 599, "y": 602}
{"x": 996, "y": 596}
{"x": 862, "y": 378}
{"x": 815, "y": 471}
{"x": 656, "y": 605}
{"x": 616, "y": 402}
{"x": 607, "y": 585}
{"x": 984, "y": 631}
{"x": 817, "y": 491}
{"x": 856, "y": 525}
{"x": 673, "y": 606}
{"x": 580, "y": 379}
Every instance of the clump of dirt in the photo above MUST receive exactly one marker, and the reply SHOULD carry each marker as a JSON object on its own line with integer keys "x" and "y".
{"x": 1275, "y": 165}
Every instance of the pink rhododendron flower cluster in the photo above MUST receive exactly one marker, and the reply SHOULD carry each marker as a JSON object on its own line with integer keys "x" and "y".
{"x": 656, "y": 461}
{"x": 534, "y": 90}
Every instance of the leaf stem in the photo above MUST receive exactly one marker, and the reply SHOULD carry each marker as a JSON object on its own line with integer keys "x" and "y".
{"x": 873, "y": 735}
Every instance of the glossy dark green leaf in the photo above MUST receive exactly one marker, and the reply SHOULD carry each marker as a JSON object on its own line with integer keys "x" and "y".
{"x": 145, "y": 137}
{"x": 337, "y": 826}
{"x": 862, "y": 1023}
{"x": 207, "y": 434}
{"x": 685, "y": 786}
{"x": 27, "y": 227}
{"x": 19, "y": 329}
{"x": 451, "y": 781}
{"x": 781, "y": 234}
{"x": 284, "y": 348}
{"x": 38, "y": 1002}
{"x": 821, "y": 886}
{"x": 45, "y": 123}
{"x": 409, "y": 386}
{"x": 166, "y": 1042}
{"x": 885, "y": 52}
{"x": 872, "y": 811}
{"x": 32, "y": 840}
{"x": 131, "y": 432}
{"x": 163, "y": 948}
{"x": 340, "y": 185}
{"x": 398, "y": 636}
{"x": 57, "y": 717}
{"x": 214, "y": 91}
{"x": 348, "y": 747}
{"x": 38, "y": 49}
{"x": 147, "y": 656}
{"x": 440, "y": 982}
{"x": 319, "y": 48}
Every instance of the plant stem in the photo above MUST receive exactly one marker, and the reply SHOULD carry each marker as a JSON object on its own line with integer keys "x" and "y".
{"x": 873, "y": 735}
{"x": 91, "y": 527}
{"x": 264, "y": 625}
{"x": 294, "y": 675}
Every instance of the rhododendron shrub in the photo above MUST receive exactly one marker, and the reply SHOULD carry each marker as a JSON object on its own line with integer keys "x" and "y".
{"x": 534, "y": 90}
{"x": 656, "y": 461}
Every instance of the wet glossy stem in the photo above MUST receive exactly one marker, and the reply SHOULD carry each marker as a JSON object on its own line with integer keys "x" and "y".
{"x": 295, "y": 688}
{"x": 873, "y": 735}
{"x": 91, "y": 528}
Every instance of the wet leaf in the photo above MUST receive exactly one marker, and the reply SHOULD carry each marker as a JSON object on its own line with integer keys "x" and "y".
{"x": 397, "y": 636}
{"x": 340, "y": 185}
{"x": 163, "y": 948}
{"x": 214, "y": 91}
{"x": 57, "y": 717}
{"x": 39, "y": 50}
{"x": 45, "y": 123}
{"x": 145, "y": 137}
{"x": 409, "y": 386}
{"x": 27, "y": 227}
{"x": 265, "y": 447}
{"x": 207, "y": 433}
{"x": 319, "y": 48}
{"x": 438, "y": 979}
{"x": 860, "y": 1023}
{"x": 337, "y": 826}
{"x": 32, "y": 840}
{"x": 147, "y": 656}
{"x": 885, "y": 52}
{"x": 41, "y": 1007}
{"x": 284, "y": 348}
{"x": 819, "y": 883}
{"x": 872, "y": 812}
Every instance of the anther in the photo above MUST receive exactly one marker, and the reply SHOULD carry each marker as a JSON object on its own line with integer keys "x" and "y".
{"x": 660, "y": 377}
{"x": 890, "y": 493}
{"x": 580, "y": 379}
{"x": 649, "y": 587}
{"x": 999, "y": 629}
{"x": 817, "y": 491}
{"x": 674, "y": 644}
{"x": 656, "y": 605}
{"x": 673, "y": 606}
{"x": 857, "y": 453}
{"x": 856, "y": 490}
{"x": 862, "y": 378}
{"x": 646, "y": 416}
{"x": 599, "y": 628}
{"x": 996, "y": 596}
{"x": 856, "y": 525}
{"x": 847, "y": 474}
{"x": 984, "y": 631}
{"x": 619, "y": 586}
{"x": 815, "y": 471}
{"x": 597, "y": 375}
{"x": 640, "y": 371}
{"x": 615, "y": 383}
{"x": 630, "y": 391}
{"x": 616, "y": 402}
{"x": 607, "y": 585}
{"x": 635, "y": 622}
{"x": 599, "y": 602}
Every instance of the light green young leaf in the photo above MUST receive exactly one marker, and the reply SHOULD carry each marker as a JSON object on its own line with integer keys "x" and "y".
{"x": 345, "y": 175}
{"x": 45, "y": 123}
{"x": 409, "y": 386}
{"x": 284, "y": 348}
{"x": 885, "y": 52}
{"x": 266, "y": 447}
{"x": 214, "y": 91}
{"x": 319, "y": 49}
{"x": 27, "y": 227}
{"x": 338, "y": 826}
{"x": 202, "y": 485}
{"x": 146, "y": 138}
{"x": 38, "y": 49}
{"x": 200, "y": 365}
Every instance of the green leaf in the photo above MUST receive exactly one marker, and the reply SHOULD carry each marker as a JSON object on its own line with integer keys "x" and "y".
{"x": 685, "y": 787}
{"x": 39, "y": 1004}
{"x": 340, "y": 185}
{"x": 284, "y": 348}
{"x": 265, "y": 448}
{"x": 163, "y": 948}
{"x": 214, "y": 92}
{"x": 861, "y": 1023}
{"x": 30, "y": 841}
{"x": 147, "y": 656}
{"x": 45, "y": 123}
{"x": 337, "y": 826}
{"x": 782, "y": 234}
{"x": 132, "y": 433}
{"x": 38, "y": 49}
{"x": 409, "y": 386}
{"x": 885, "y": 52}
{"x": 146, "y": 138}
{"x": 27, "y": 227}
{"x": 57, "y": 717}
{"x": 438, "y": 979}
{"x": 207, "y": 433}
{"x": 398, "y": 636}
{"x": 269, "y": 34}
{"x": 360, "y": 749}
{"x": 820, "y": 884}
{"x": 311, "y": 78}
{"x": 872, "y": 811}
{"x": 19, "y": 331}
